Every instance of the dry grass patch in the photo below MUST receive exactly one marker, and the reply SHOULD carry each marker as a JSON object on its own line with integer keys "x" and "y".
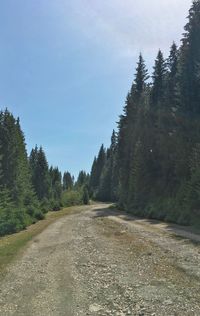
{"x": 12, "y": 245}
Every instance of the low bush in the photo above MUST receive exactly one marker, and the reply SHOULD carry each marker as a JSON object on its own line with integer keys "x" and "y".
{"x": 72, "y": 197}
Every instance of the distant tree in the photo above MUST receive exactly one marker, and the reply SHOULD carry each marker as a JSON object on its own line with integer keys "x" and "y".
{"x": 129, "y": 128}
{"x": 68, "y": 181}
{"x": 159, "y": 81}
{"x": 96, "y": 171}
{"x": 55, "y": 186}
{"x": 40, "y": 173}
{"x": 85, "y": 196}
{"x": 82, "y": 180}
{"x": 108, "y": 185}
{"x": 172, "y": 78}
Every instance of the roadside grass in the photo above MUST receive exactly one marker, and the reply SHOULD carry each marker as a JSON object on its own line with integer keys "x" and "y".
{"x": 13, "y": 245}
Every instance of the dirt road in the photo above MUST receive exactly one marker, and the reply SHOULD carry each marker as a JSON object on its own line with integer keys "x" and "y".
{"x": 102, "y": 263}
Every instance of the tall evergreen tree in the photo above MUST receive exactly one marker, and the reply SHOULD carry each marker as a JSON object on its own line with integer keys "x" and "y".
{"x": 82, "y": 180}
{"x": 40, "y": 173}
{"x": 159, "y": 77}
{"x": 68, "y": 181}
{"x": 141, "y": 77}
{"x": 18, "y": 203}
{"x": 55, "y": 186}
{"x": 189, "y": 83}
{"x": 157, "y": 148}
{"x": 96, "y": 171}
{"x": 129, "y": 129}
{"x": 108, "y": 185}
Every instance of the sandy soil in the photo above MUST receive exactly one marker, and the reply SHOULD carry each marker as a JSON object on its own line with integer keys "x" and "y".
{"x": 100, "y": 262}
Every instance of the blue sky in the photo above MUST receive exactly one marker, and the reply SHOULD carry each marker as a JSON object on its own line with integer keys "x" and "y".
{"x": 66, "y": 67}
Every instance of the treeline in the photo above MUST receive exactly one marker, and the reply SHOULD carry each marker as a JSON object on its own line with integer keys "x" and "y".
{"x": 28, "y": 186}
{"x": 152, "y": 167}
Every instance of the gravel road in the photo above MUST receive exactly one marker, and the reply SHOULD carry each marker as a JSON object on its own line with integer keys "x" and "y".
{"x": 100, "y": 262}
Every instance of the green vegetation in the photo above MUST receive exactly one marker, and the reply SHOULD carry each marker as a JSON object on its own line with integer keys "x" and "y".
{"x": 29, "y": 188}
{"x": 72, "y": 197}
{"x": 152, "y": 167}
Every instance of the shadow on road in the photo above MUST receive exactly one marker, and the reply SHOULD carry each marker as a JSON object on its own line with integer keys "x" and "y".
{"x": 178, "y": 231}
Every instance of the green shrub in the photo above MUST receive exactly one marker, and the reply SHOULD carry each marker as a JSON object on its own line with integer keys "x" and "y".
{"x": 72, "y": 197}
{"x": 45, "y": 205}
{"x": 55, "y": 205}
{"x": 12, "y": 220}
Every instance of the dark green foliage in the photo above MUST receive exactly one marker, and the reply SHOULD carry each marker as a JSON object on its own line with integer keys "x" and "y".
{"x": 97, "y": 169}
{"x": 156, "y": 160}
{"x": 159, "y": 84}
{"x": 47, "y": 182}
{"x": 18, "y": 203}
{"x": 68, "y": 181}
{"x": 11, "y": 220}
{"x": 129, "y": 129}
{"x": 189, "y": 83}
{"x": 40, "y": 173}
{"x": 28, "y": 188}
{"x": 83, "y": 179}
{"x": 85, "y": 196}
{"x": 108, "y": 183}
{"x": 55, "y": 188}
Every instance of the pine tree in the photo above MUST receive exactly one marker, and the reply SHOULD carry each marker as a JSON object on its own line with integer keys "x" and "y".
{"x": 40, "y": 173}
{"x": 141, "y": 77}
{"x": 189, "y": 84}
{"x": 15, "y": 169}
{"x": 96, "y": 171}
{"x": 129, "y": 129}
{"x": 85, "y": 195}
{"x": 1, "y": 157}
{"x": 67, "y": 181}
{"x": 156, "y": 157}
{"x": 172, "y": 78}
{"x": 159, "y": 77}
{"x": 82, "y": 180}
{"x": 19, "y": 205}
{"x": 93, "y": 178}
{"x": 107, "y": 187}
{"x": 55, "y": 187}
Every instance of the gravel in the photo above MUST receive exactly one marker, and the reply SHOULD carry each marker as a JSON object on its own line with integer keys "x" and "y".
{"x": 102, "y": 263}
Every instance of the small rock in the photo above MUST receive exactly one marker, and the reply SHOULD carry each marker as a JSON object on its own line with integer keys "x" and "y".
{"x": 95, "y": 308}
{"x": 168, "y": 302}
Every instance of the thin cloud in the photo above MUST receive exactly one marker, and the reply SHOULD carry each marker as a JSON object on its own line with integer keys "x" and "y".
{"x": 126, "y": 27}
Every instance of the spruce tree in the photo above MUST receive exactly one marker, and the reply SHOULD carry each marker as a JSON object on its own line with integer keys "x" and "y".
{"x": 159, "y": 77}
{"x": 18, "y": 203}
{"x": 55, "y": 187}
{"x": 189, "y": 83}
{"x": 40, "y": 173}
{"x": 156, "y": 156}
{"x": 141, "y": 77}
{"x": 108, "y": 184}
{"x": 129, "y": 129}
{"x": 96, "y": 171}
{"x": 67, "y": 181}
{"x": 85, "y": 196}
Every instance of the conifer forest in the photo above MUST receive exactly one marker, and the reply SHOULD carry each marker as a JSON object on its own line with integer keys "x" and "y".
{"x": 100, "y": 188}
{"x": 29, "y": 187}
{"x": 152, "y": 167}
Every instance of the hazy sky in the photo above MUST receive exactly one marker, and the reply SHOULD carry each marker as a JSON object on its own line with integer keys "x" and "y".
{"x": 66, "y": 67}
